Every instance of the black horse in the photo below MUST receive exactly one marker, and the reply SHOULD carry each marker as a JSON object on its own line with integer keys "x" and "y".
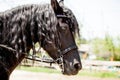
{"x": 53, "y": 26}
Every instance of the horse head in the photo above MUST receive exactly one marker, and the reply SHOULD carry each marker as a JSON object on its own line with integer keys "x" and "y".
{"x": 65, "y": 53}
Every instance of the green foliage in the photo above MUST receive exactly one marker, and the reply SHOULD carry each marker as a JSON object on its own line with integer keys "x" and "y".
{"x": 77, "y": 39}
{"x": 81, "y": 41}
{"x": 109, "y": 44}
{"x": 107, "y": 48}
{"x": 98, "y": 46}
{"x": 38, "y": 69}
{"x": 101, "y": 74}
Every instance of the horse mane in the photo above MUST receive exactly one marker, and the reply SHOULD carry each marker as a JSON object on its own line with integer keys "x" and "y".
{"x": 74, "y": 28}
{"x": 22, "y": 27}
{"x": 25, "y": 25}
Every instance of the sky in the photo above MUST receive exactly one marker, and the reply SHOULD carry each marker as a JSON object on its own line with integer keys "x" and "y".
{"x": 97, "y": 17}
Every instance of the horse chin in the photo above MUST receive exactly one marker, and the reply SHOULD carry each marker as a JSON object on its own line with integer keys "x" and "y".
{"x": 69, "y": 71}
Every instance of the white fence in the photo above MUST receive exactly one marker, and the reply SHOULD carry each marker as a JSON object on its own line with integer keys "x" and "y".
{"x": 101, "y": 65}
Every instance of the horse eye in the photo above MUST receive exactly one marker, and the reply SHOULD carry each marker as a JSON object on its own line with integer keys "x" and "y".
{"x": 64, "y": 21}
{"x": 64, "y": 24}
{"x": 64, "y": 27}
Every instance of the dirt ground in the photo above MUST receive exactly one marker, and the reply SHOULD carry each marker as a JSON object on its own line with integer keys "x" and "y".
{"x": 23, "y": 75}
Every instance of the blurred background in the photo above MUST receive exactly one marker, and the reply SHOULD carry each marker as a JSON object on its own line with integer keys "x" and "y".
{"x": 99, "y": 44}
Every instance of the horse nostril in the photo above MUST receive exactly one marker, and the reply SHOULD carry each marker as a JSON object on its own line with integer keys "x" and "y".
{"x": 77, "y": 66}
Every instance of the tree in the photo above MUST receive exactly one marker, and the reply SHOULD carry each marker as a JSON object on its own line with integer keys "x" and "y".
{"x": 117, "y": 49}
{"x": 107, "y": 48}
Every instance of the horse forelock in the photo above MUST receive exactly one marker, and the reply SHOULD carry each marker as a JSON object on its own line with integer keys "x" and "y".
{"x": 74, "y": 23}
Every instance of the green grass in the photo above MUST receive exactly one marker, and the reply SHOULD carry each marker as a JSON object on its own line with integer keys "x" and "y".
{"x": 38, "y": 69}
{"x": 101, "y": 74}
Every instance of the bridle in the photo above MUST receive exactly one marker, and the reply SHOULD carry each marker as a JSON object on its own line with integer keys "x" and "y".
{"x": 60, "y": 59}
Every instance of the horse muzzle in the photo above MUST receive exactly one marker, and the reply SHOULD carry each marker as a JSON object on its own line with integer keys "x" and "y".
{"x": 68, "y": 69}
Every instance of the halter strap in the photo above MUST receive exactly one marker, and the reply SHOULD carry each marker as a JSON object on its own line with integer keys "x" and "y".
{"x": 68, "y": 49}
{"x": 62, "y": 53}
{"x": 60, "y": 60}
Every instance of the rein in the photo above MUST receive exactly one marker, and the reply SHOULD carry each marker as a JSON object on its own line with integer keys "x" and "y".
{"x": 60, "y": 59}
{"x": 7, "y": 47}
{"x": 40, "y": 60}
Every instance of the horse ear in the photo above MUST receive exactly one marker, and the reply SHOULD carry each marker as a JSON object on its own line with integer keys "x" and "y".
{"x": 56, "y": 7}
